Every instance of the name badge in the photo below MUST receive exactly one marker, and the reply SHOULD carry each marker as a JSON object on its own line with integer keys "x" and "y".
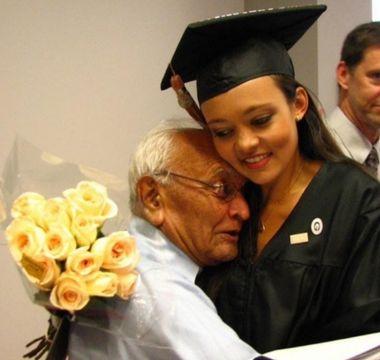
{"x": 299, "y": 238}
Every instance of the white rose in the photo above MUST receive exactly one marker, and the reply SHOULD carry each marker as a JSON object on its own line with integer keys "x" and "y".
{"x": 29, "y": 204}
{"x": 118, "y": 250}
{"x": 59, "y": 242}
{"x": 85, "y": 229}
{"x": 90, "y": 198}
{"x": 24, "y": 237}
{"x": 83, "y": 262}
{"x": 127, "y": 284}
{"x": 56, "y": 211}
{"x": 41, "y": 271}
{"x": 103, "y": 284}
{"x": 70, "y": 293}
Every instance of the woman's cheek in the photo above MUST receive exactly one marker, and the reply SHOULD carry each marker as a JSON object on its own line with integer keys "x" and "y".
{"x": 225, "y": 149}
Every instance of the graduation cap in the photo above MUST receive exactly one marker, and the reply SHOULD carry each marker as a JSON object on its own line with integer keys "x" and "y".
{"x": 226, "y": 51}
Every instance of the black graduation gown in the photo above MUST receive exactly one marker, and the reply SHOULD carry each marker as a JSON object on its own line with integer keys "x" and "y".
{"x": 323, "y": 289}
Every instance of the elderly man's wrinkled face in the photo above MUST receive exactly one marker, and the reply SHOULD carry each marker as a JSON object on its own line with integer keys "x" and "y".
{"x": 204, "y": 221}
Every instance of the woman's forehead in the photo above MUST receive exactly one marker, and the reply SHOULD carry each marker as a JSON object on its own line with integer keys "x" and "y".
{"x": 245, "y": 99}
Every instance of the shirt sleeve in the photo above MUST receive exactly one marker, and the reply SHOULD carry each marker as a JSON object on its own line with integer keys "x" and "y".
{"x": 169, "y": 318}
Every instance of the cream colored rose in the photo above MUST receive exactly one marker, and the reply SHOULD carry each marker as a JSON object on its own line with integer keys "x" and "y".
{"x": 127, "y": 284}
{"x": 59, "y": 242}
{"x": 85, "y": 229}
{"x": 56, "y": 211}
{"x": 90, "y": 198}
{"x": 30, "y": 205}
{"x": 24, "y": 237}
{"x": 83, "y": 262}
{"x": 70, "y": 293}
{"x": 118, "y": 250}
{"x": 41, "y": 271}
{"x": 103, "y": 284}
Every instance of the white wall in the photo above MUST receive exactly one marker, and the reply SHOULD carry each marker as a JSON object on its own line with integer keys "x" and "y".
{"x": 80, "y": 78}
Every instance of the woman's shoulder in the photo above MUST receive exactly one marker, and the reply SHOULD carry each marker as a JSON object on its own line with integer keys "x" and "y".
{"x": 349, "y": 182}
{"x": 349, "y": 173}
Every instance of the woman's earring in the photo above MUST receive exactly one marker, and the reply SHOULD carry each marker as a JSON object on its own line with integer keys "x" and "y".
{"x": 298, "y": 118}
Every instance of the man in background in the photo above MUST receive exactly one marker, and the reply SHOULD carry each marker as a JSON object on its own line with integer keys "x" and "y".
{"x": 355, "y": 123}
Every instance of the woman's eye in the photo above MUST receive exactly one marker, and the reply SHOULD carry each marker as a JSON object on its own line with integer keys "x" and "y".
{"x": 261, "y": 120}
{"x": 221, "y": 133}
{"x": 375, "y": 76}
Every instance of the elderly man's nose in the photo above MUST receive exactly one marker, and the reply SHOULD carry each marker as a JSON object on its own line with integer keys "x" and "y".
{"x": 239, "y": 207}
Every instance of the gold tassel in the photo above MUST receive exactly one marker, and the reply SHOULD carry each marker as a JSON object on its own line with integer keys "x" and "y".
{"x": 185, "y": 99}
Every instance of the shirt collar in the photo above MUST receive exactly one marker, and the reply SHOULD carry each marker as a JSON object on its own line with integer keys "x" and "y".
{"x": 156, "y": 247}
{"x": 352, "y": 141}
{"x": 377, "y": 146}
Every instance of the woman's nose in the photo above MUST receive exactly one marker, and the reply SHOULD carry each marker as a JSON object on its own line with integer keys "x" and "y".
{"x": 246, "y": 142}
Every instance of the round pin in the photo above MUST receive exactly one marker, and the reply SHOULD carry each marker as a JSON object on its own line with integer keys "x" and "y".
{"x": 316, "y": 226}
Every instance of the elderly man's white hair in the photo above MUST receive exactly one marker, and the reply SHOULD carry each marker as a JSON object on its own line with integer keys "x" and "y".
{"x": 154, "y": 153}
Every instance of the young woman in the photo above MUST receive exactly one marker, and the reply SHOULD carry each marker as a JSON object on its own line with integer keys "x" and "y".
{"x": 309, "y": 262}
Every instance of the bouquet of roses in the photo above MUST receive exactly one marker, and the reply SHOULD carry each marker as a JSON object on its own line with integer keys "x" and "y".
{"x": 70, "y": 253}
{"x": 60, "y": 248}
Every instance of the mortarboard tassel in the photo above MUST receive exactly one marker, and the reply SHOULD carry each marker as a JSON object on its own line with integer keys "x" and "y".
{"x": 185, "y": 100}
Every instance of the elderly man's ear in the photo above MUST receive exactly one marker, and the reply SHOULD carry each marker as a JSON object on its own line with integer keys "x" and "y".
{"x": 151, "y": 200}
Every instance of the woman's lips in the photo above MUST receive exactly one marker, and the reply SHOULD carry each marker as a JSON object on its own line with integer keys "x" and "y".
{"x": 258, "y": 161}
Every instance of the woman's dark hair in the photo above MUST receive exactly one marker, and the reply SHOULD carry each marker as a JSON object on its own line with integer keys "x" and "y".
{"x": 315, "y": 141}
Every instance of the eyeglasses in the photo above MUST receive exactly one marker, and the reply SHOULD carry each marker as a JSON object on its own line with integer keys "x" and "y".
{"x": 225, "y": 191}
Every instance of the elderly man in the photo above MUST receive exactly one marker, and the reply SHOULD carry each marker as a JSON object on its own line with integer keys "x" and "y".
{"x": 188, "y": 212}
{"x": 355, "y": 124}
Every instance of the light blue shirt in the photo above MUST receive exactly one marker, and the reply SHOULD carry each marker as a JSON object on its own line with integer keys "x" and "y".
{"x": 168, "y": 317}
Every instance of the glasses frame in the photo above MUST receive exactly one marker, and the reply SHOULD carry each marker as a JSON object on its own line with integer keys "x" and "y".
{"x": 215, "y": 188}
